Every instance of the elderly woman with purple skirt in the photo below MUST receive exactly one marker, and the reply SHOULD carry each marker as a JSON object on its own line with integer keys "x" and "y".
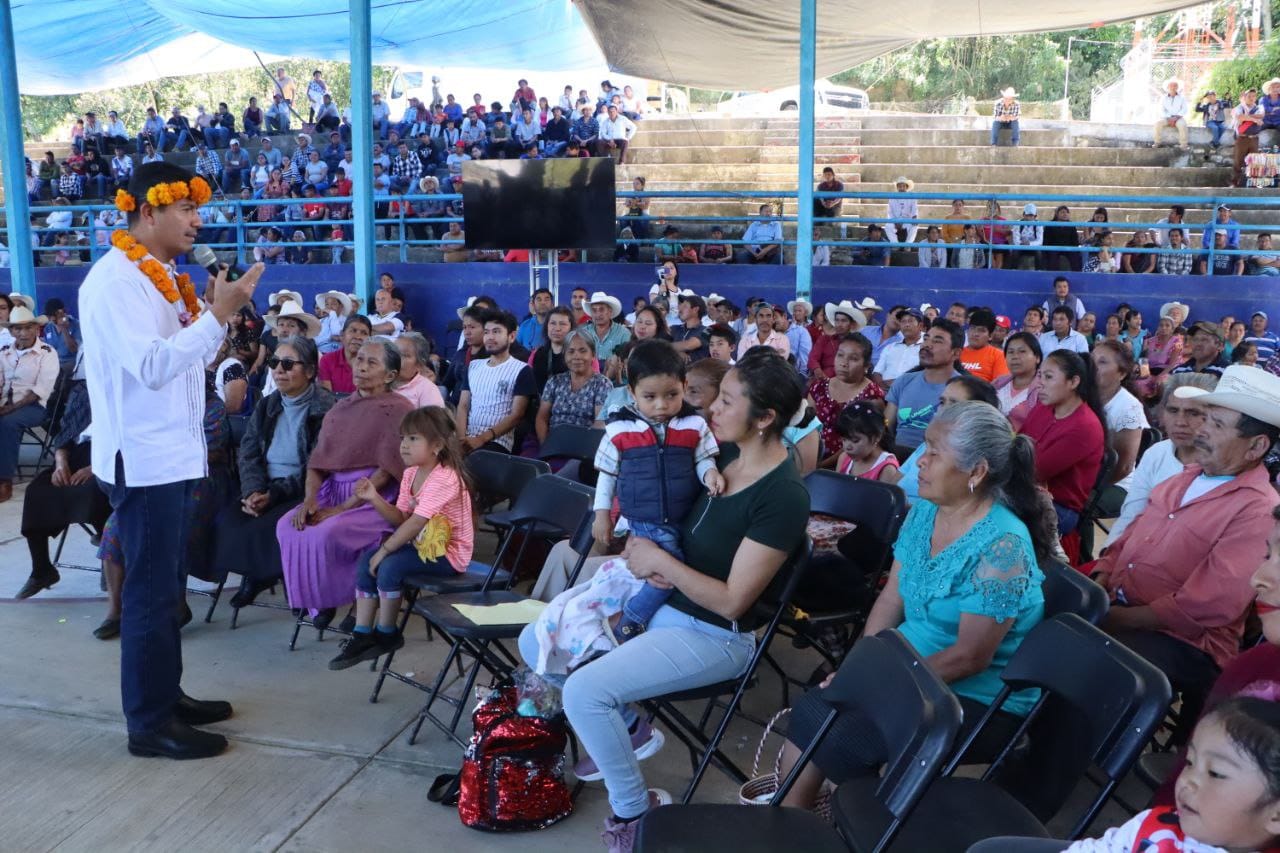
{"x": 321, "y": 543}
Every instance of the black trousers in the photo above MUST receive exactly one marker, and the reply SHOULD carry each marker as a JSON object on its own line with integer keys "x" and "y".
{"x": 1190, "y": 671}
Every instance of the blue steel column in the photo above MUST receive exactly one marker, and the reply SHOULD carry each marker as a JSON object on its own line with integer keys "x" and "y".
{"x": 16, "y": 210}
{"x": 362, "y": 151}
{"x": 804, "y": 173}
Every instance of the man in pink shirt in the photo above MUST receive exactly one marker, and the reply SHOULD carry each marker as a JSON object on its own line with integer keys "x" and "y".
{"x": 1179, "y": 575}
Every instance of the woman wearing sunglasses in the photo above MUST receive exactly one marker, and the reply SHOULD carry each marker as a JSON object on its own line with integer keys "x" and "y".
{"x": 273, "y": 465}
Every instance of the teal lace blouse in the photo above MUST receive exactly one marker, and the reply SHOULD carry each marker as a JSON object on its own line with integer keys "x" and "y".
{"x": 990, "y": 571}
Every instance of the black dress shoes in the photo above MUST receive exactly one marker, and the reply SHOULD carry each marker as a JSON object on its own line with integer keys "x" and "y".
{"x": 176, "y": 740}
{"x": 37, "y": 582}
{"x": 193, "y": 712}
{"x": 249, "y": 590}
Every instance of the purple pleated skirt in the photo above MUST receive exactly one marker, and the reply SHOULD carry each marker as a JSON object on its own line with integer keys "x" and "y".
{"x": 320, "y": 560}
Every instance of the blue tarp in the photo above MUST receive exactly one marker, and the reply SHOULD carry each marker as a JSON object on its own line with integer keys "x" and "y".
{"x": 68, "y": 46}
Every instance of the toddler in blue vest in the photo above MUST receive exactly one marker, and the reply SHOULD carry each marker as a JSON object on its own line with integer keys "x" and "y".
{"x": 656, "y": 456}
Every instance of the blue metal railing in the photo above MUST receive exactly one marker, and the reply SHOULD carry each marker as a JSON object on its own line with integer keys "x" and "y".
{"x": 240, "y": 231}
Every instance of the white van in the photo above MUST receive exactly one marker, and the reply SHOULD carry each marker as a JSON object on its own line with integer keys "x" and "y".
{"x": 828, "y": 99}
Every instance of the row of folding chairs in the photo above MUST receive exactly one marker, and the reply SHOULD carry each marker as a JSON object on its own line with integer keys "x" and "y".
{"x": 1115, "y": 698}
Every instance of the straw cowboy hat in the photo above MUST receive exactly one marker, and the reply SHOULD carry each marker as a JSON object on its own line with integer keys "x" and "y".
{"x": 791, "y": 306}
{"x": 1272, "y": 82}
{"x": 23, "y": 300}
{"x": 714, "y": 299}
{"x": 602, "y": 298}
{"x": 343, "y": 300}
{"x": 847, "y": 308}
{"x": 1010, "y": 92}
{"x": 1169, "y": 306}
{"x": 295, "y": 311}
{"x": 22, "y": 315}
{"x": 903, "y": 179}
{"x": 1249, "y": 390}
{"x": 471, "y": 300}
{"x": 284, "y": 296}
{"x": 1173, "y": 81}
{"x": 868, "y": 304}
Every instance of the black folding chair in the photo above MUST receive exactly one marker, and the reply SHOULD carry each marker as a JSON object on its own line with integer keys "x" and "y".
{"x": 1092, "y": 512}
{"x": 1068, "y": 591}
{"x": 41, "y": 435}
{"x": 569, "y": 441}
{"x": 705, "y": 749}
{"x": 917, "y": 718}
{"x": 501, "y": 477}
{"x": 478, "y": 575}
{"x": 546, "y": 502}
{"x": 878, "y": 510}
{"x": 1100, "y": 703}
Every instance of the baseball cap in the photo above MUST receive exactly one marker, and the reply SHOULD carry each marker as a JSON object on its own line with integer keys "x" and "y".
{"x": 1029, "y": 208}
{"x": 1262, "y": 314}
{"x": 1208, "y": 328}
{"x": 1003, "y": 322}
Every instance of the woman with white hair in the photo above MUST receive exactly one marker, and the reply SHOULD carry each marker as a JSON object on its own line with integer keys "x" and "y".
{"x": 417, "y": 380}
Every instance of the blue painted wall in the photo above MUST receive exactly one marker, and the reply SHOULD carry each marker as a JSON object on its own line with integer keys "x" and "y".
{"x": 436, "y": 290}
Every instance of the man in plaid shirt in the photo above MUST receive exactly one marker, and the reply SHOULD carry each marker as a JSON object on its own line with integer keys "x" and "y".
{"x": 1178, "y": 259}
{"x": 1005, "y": 114}
{"x": 70, "y": 185}
{"x": 406, "y": 168}
{"x": 302, "y": 154}
{"x": 208, "y": 166}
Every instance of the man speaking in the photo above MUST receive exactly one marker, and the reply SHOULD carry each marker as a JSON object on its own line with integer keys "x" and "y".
{"x": 147, "y": 339}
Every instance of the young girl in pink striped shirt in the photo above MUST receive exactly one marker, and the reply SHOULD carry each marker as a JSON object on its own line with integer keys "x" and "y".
{"x": 434, "y": 533}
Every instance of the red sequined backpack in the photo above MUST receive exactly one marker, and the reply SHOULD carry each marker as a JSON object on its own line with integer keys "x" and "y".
{"x": 512, "y": 776}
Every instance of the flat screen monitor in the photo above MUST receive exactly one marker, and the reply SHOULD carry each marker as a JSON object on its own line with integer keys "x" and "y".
{"x": 565, "y": 203}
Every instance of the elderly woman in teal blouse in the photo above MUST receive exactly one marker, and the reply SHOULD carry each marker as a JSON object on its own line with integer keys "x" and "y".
{"x": 964, "y": 590}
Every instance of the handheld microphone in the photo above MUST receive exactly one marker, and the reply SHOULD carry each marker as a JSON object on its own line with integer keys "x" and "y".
{"x": 205, "y": 257}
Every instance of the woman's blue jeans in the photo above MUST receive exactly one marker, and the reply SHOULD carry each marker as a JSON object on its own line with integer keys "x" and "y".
{"x": 678, "y": 652}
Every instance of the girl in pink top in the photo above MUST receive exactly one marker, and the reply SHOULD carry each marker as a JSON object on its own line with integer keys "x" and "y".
{"x": 861, "y": 426}
{"x": 434, "y": 535}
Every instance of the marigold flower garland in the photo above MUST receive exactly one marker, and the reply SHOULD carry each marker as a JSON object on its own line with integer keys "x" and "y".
{"x": 198, "y": 190}
{"x": 156, "y": 271}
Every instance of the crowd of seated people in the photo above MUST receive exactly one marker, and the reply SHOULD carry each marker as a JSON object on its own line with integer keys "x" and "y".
{"x": 350, "y": 478}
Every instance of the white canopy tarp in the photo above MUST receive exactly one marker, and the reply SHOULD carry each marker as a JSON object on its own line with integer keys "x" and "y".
{"x": 753, "y": 45}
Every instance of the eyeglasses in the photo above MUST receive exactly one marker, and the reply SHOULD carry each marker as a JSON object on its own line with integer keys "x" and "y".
{"x": 287, "y": 363}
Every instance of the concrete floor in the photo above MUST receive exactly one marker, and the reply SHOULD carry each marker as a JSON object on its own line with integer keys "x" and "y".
{"x": 312, "y": 765}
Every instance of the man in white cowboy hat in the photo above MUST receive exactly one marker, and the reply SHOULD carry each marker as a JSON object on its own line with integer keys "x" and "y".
{"x": 607, "y": 334}
{"x": 28, "y": 372}
{"x": 1172, "y": 112}
{"x": 1179, "y": 574}
{"x": 801, "y": 311}
{"x": 335, "y": 307}
{"x": 291, "y": 320}
{"x": 901, "y": 226}
{"x": 870, "y": 330}
{"x": 1177, "y": 312}
{"x": 844, "y": 317}
{"x": 1270, "y": 103}
{"x": 144, "y": 366}
{"x": 279, "y": 297}
{"x": 1005, "y": 114}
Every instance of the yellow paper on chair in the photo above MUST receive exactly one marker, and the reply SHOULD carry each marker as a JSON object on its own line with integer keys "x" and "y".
{"x": 508, "y": 613}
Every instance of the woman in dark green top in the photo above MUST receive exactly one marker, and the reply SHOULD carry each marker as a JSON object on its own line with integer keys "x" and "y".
{"x": 704, "y": 633}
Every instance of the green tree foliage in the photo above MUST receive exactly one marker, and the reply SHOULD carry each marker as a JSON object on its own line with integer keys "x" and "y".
{"x": 49, "y": 117}
{"x": 949, "y": 69}
{"x": 1236, "y": 75}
